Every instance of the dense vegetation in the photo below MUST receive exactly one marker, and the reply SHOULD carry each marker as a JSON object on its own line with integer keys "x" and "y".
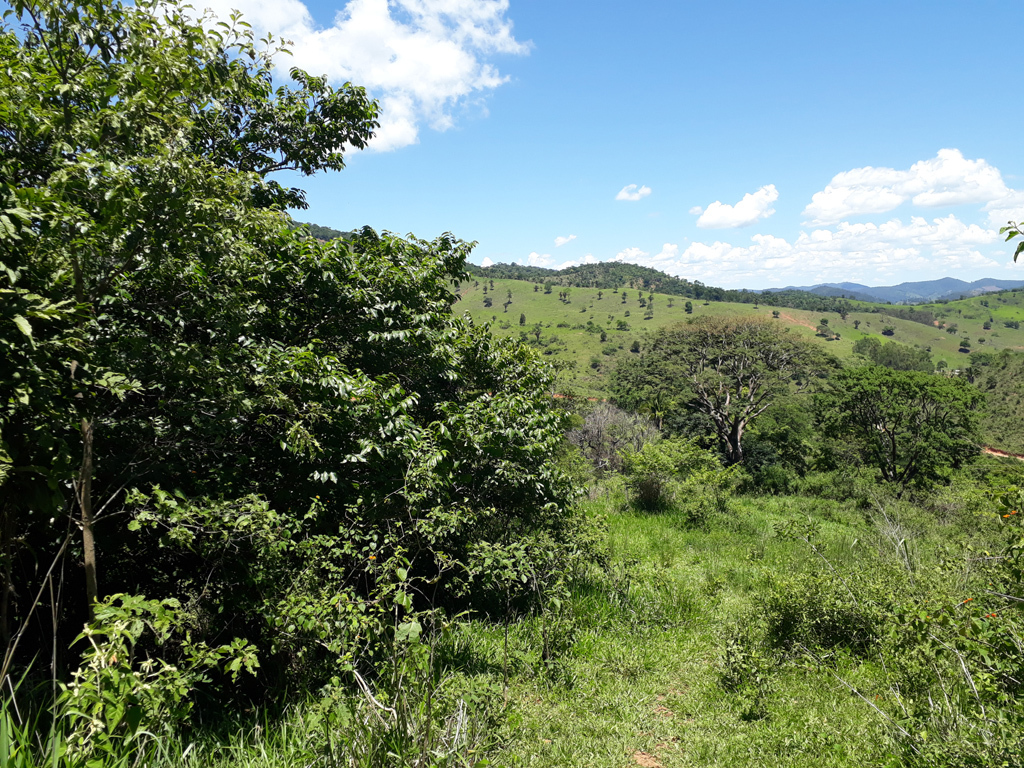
{"x": 250, "y": 458}
{"x": 268, "y": 498}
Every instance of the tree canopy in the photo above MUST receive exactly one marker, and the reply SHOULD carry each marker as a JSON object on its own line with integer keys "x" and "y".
{"x": 290, "y": 438}
{"x": 911, "y": 425}
{"x": 732, "y": 370}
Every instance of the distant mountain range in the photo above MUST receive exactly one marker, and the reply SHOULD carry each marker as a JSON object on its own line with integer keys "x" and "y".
{"x": 946, "y": 288}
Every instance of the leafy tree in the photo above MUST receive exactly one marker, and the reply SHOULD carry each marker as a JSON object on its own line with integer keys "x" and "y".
{"x": 912, "y": 426}
{"x": 688, "y": 307}
{"x": 298, "y": 431}
{"x": 892, "y": 354}
{"x": 522, "y": 318}
{"x": 730, "y": 369}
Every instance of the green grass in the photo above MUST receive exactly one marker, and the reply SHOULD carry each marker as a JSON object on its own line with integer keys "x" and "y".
{"x": 638, "y": 674}
{"x": 574, "y": 347}
{"x": 643, "y": 674}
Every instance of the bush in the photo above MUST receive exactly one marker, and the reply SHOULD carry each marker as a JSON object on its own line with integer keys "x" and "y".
{"x": 655, "y": 474}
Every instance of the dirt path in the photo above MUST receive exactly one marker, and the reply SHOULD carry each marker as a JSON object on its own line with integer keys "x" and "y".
{"x": 1001, "y": 454}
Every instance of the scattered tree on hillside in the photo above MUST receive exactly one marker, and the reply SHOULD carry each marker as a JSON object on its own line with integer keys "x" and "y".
{"x": 912, "y": 426}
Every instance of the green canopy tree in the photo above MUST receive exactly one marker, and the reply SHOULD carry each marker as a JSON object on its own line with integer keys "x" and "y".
{"x": 732, "y": 370}
{"x": 267, "y": 409}
{"x": 145, "y": 152}
{"x": 910, "y": 425}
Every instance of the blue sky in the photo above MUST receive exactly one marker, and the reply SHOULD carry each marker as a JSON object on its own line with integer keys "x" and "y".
{"x": 737, "y": 143}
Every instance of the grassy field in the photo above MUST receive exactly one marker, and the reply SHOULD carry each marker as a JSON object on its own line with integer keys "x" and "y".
{"x": 651, "y": 636}
{"x": 565, "y": 337}
{"x": 643, "y": 679}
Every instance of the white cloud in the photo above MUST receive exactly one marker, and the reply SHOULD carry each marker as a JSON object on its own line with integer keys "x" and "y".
{"x": 588, "y": 259}
{"x": 631, "y": 255}
{"x": 947, "y": 179}
{"x": 487, "y": 262}
{"x": 859, "y": 252}
{"x": 633, "y": 192}
{"x": 423, "y": 59}
{"x": 537, "y": 260}
{"x": 753, "y": 206}
{"x": 560, "y": 241}
{"x": 1008, "y": 208}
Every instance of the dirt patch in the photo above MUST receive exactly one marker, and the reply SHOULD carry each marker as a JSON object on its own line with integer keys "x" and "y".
{"x": 664, "y": 711}
{"x": 1002, "y": 454}
{"x": 646, "y": 760}
{"x": 794, "y": 321}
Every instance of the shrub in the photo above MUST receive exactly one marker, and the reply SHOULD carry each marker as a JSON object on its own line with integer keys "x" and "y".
{"x": 655, "y": 472}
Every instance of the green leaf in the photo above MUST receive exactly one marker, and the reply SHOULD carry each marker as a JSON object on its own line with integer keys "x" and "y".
{"x": 23, "y": 325}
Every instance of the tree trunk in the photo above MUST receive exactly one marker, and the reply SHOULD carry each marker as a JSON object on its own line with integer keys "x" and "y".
{"x": 85, "y": 504}
{"x": 734, "y": 444}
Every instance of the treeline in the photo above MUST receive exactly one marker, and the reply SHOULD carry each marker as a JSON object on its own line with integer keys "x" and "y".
{"x": 616, "y": 275}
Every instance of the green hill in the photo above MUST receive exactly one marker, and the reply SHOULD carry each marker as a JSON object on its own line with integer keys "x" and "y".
{"x": 566, "y": 323}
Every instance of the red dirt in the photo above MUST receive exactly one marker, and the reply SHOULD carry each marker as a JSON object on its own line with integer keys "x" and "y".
{"x": 1001, "y": 454}
{"x": 794, "y": 321}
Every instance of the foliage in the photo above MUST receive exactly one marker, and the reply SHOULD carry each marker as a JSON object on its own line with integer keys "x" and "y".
{"x": 664, "y": 471}
{"x": 1013, "y": 230}
{"x": 607, "y": 433}
{"x": 732, "y": 370}
{"x": 297, "y": 440}
{"x": 911, "y": 426}
{"x": 892, "y": 354}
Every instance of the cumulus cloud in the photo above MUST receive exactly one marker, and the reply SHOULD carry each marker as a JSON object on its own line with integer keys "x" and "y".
{"x": 753, "y": 206}
{"x": 633, "y": 192}
{"x": 422, "y": 59}
{"x": 1007, "y": 208}
{"x": 560, "y": 241}
{"x": 537, "y": 260}
{"x": 946, "y": 179}
{"x": 588, "y": 259}
{"x": 860, "y": 252}
{"x": 487, "y": 262}
{"x": 632, "y": 255}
